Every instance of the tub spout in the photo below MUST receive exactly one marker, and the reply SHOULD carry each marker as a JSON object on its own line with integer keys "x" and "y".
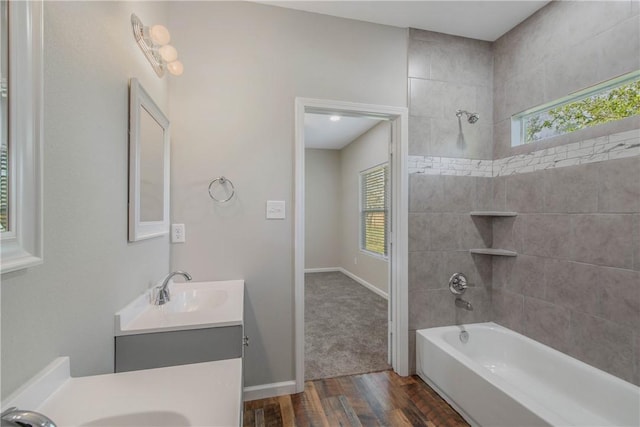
{"x": 464, "y": 304}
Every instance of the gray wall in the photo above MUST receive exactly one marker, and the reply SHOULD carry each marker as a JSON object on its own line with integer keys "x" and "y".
{"x": 447, "y": 73}
{"x": 65, "y": 306}
{"x": 322, "y": 208}
{"x": 233, "y": 114}
{"x": 575, "y": 285}
{"x": 368, "y": 150}
{"x": 562, "y": 48}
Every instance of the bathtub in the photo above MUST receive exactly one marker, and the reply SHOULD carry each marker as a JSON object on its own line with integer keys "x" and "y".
{"x": 501, "y": 378}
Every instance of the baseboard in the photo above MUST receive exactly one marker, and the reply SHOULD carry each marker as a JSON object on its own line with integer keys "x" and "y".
{"x": 322, "y": 270}
{"x": 366, "y": 284}
{"x": 269, "y": 390}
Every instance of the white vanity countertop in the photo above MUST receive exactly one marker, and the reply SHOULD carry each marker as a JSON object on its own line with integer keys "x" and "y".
{"x": 193, "y": 305}
{"x": 201, "y": 394}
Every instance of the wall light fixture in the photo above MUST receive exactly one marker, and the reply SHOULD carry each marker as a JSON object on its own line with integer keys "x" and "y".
{"x": 154, "y": 42}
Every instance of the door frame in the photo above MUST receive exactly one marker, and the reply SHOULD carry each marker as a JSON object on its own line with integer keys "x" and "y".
{"x": 398, "y": 292}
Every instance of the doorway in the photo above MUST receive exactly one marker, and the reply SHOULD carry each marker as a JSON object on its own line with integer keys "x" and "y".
{"x": 392, "y": 120}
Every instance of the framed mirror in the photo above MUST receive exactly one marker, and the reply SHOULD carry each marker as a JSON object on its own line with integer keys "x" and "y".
{"x": 148, "y": 166}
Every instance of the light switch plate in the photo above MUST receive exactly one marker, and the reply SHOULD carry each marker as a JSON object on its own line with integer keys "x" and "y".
{"x": 178, "y": 233}
{"x": 276, "y": 209}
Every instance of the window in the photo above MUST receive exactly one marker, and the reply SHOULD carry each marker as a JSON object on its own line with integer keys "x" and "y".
{"x": 374, "y": 209}
{"x": 612, "y": 100}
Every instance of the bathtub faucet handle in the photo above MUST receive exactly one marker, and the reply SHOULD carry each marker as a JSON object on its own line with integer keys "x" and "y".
{"x": 458, "y": 284}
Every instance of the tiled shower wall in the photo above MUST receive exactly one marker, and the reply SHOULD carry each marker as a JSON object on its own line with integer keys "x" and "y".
{"x": 575, "y": 284}
{"x": 448, "y": 73}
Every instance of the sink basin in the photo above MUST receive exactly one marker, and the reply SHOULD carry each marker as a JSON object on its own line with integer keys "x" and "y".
{"x": 190, "y": 300}
{"x": 141, "y": 419}
{"x": 193, "y": 305}
{"x": 198, "y": 394}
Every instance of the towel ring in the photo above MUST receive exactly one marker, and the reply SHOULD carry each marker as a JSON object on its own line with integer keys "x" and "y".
{"x": 222, "y": 180}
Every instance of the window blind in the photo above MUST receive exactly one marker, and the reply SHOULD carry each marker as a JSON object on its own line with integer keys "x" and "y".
{"x": 374, "y": 209}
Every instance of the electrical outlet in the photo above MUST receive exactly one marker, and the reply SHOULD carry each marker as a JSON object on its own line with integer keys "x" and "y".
{"x": 178, "y": 233}
{"x": 355, "y": 260}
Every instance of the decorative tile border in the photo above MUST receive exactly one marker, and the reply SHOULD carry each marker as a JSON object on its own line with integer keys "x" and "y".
{"x": 616, "y": 146}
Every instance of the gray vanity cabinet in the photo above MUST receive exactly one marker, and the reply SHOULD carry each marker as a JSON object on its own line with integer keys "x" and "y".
{"x": 161, "y": 349}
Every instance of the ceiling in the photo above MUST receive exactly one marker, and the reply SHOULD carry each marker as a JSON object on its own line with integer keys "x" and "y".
{"x": 482, "y": 20}
{"x": 321, "y": 132}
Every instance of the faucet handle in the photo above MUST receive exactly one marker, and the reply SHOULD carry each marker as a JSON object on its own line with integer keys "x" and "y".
{"x": 458, "y": 284}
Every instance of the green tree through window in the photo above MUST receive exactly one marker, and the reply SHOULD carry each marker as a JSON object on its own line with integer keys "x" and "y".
{"x": 605, "y": 106}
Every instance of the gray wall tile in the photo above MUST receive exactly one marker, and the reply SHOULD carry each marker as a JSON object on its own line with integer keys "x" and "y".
{"x": 419, "y": 232}
{"x": 427, "y": 271}
{"x": 636, "y": 359}
{"x": 446, "y": 39}
{"x": 548, "y": 235}
{"x": 525, "y": 192}
{"x": 508, "y": 309}
{"x": 603, "y": 344}
{"x": 425, "y": 98}
{"x": 620, "y": 296}
{"x": 508, "y": 233}
{"x": 425, "y": 193}
{"x": 462, "y": 64}
{"x": 523, "y": 274}
{"x": 484, "y": 194}
{"x": 412, "y": 352}
{"x": 619, "y": 185}
{"x": 502, "y": 139}
{"x": 419, "y": 59}
{"x": 419, "y": 135}
{"x": 431, "y": 308}
{"x": 617, "y": 49}
{"x": 444, "y": 231}
{"x": 524, "y": 90}
{"x": 499, "y": 193}
{"x": 460, "y": 192}
{"x": 603, "y": 239}
{"x": 547, "y": 323}
{"x": 574, "y": 285}
{"x": 636, "y": 242}
{"x": 571, "y": 189}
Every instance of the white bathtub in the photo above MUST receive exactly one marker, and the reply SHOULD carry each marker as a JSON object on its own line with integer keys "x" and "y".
{"x": 502, "y": 378}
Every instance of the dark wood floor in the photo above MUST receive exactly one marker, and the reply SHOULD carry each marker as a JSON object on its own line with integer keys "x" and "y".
{"x": 376, "y": 399}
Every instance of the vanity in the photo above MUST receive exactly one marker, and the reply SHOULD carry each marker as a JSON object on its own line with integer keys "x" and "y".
{"x": 202, "y": 322}
{"x": 200, "y": 394}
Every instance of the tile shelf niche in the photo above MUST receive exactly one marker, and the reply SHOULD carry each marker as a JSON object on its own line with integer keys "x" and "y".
{"x": 493, "y": 215}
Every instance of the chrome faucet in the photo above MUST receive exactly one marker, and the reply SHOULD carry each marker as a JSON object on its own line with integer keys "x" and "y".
{"x": 463, "y": 304}
{"x": 163, "y": 295}
{"x": 14, "y": 417}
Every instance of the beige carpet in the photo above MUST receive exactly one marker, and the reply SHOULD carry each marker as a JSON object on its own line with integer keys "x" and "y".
{"x": 345, "y": 327}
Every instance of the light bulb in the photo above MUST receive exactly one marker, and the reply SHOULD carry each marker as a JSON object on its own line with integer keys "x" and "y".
{"x": 168, "y": 53}
{"x": 159, "y": 35}
{"x": 176, "y": 68}
{"x": 334, "y": 118}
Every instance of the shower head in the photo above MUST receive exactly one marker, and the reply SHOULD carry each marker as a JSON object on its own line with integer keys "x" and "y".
{"x": 471, "y": 117}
